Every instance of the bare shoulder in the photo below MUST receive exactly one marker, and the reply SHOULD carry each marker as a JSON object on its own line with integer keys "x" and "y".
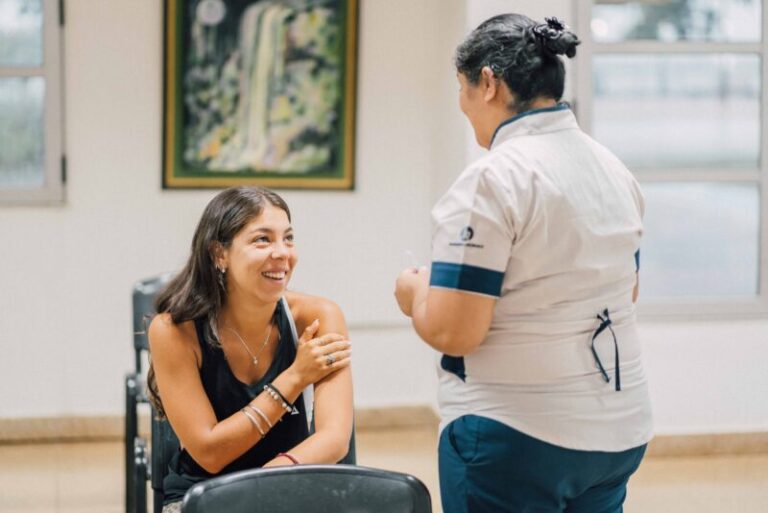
{"x": 306, "y": 308}
{"x": 171, "y": 339}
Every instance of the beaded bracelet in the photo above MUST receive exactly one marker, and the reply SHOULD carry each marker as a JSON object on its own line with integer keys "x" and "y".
{"x": 277, "y": 396}
{"x": 277, "y": 391}
{"x": 291, "y": 457}
{"x": 254, "y": 421}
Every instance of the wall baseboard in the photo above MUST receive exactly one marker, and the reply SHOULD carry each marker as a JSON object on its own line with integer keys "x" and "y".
{"x": 709, "y": 444}
{"x": 110, "y": 428}
{"x": 398, "y": 417}
{"x": 106, "y": 428}
{"x": 61, "y": 429}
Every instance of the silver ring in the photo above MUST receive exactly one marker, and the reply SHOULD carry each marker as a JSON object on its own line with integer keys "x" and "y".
{"x": 329, "y": 359}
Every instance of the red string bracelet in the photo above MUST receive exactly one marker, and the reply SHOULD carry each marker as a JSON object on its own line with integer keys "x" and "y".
{"x": 290, "y": 457}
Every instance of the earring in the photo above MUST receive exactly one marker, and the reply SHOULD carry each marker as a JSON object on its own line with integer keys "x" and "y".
{"x": 222, "y": 277}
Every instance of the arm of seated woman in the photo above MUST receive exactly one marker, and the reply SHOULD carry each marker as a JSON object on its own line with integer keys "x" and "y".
{"x": 213, "y": 444}
{"x": 333, "y": 394}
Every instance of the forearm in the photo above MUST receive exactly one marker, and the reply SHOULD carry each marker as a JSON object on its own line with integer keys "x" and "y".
{"x": 232, "y": 437}
{"x": 424, "y": 323}
{"x": 323, "y": 447}
{"x": 333, "y": 422}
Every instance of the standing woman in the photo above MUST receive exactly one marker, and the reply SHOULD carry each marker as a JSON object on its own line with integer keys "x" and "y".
{"x": 530, "y": 298}
{"x": 228, "y": 368}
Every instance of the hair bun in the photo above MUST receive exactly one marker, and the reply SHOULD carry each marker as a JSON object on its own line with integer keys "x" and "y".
{"x": 555, "y": 37}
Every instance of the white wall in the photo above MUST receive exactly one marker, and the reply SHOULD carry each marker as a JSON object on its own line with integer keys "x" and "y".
{"x": 66, "y": 273}
{"x": 707, "y": 377}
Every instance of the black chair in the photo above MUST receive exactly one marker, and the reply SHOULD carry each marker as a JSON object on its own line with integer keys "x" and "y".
{"x": 310, "y": 489}
{"x": 136, "y": 470}
{"x": 153, "y": 465}
{"x": 141, "y": 463}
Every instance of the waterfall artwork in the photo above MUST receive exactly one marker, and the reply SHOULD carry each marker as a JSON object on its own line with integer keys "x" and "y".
{"x": 259, "y": 92}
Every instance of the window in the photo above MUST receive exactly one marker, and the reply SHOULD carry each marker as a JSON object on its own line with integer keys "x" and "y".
{"x": 32, "y": 164}
{"x": 675, "y": 89}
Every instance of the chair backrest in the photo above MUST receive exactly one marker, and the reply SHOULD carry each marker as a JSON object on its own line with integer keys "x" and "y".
{"x": 144, "y": 293}
{"x": 165, "y": 444}
{"x": 310, "y": 489}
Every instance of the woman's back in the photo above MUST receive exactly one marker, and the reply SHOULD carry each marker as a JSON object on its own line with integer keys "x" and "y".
{"x": 569, "y": 216}
{"x": 573, "y": 213}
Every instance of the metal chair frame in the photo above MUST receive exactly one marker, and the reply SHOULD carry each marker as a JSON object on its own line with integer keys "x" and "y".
{"x": 137, "y": 466}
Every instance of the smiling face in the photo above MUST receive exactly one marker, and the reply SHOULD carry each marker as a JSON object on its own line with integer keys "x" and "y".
{"x": 261, "y": 257}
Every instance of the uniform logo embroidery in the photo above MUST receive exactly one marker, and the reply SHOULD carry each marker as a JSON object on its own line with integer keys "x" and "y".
{"x": 465, "y": 235}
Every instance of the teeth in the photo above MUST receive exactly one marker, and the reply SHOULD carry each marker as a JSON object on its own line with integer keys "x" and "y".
{"x": 275, "y": 276}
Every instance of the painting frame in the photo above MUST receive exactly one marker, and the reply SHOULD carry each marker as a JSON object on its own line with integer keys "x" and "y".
{"x": 336, "y": 143}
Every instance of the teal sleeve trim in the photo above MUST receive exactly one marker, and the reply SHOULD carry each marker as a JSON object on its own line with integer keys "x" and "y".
{"x": 467, "y": 278}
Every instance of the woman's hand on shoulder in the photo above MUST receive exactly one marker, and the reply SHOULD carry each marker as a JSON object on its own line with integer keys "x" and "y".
{"x": 319, "y": 356}
{"x": 323, "y": 345}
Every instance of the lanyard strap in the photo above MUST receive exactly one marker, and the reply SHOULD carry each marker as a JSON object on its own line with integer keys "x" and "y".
{"x": 605, "y": 322}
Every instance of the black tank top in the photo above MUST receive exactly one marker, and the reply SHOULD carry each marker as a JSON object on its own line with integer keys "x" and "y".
{"x": 228, "y": 395}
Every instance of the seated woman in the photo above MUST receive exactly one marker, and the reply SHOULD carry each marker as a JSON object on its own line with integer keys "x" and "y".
{"x": 227, "y": 369}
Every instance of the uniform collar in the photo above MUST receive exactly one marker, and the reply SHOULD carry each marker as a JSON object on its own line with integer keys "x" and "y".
{"x": 536, "y": 121}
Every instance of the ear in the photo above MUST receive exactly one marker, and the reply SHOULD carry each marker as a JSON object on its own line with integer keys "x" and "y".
{"x": 219, "y": 254}
{"x": 490, "y": 83}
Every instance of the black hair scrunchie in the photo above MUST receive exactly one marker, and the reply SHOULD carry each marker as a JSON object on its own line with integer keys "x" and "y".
{"x": 551, "y": 30}
{"x": 554, "y": 38}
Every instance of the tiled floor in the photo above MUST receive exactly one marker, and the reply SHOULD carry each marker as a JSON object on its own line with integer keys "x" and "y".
{"x": 85, "y": 478}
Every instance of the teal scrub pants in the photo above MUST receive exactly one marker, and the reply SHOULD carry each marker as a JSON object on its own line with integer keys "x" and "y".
{"x": 488, "y": 467}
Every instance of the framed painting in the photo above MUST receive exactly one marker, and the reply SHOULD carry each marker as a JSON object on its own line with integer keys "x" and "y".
{"x": 259, "y": 92}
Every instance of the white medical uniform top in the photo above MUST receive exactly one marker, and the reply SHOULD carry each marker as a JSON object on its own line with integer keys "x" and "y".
{"x": 549, "y": 222}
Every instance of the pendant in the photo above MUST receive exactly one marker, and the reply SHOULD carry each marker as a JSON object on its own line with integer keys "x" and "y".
{"x": 255, "y": 361}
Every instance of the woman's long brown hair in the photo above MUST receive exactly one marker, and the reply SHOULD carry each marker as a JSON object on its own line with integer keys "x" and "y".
{"x": 197, "y": 291}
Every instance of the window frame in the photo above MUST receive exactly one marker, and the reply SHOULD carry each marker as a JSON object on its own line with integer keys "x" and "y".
{"x": 53, "y": 188}
{"x": 684, "y": 308}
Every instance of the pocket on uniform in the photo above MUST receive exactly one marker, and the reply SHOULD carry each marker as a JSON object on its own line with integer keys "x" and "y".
{"x": 463, "y": 437}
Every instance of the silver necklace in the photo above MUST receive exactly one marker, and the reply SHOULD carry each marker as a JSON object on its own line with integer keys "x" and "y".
{"x": 254, "y": 357}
